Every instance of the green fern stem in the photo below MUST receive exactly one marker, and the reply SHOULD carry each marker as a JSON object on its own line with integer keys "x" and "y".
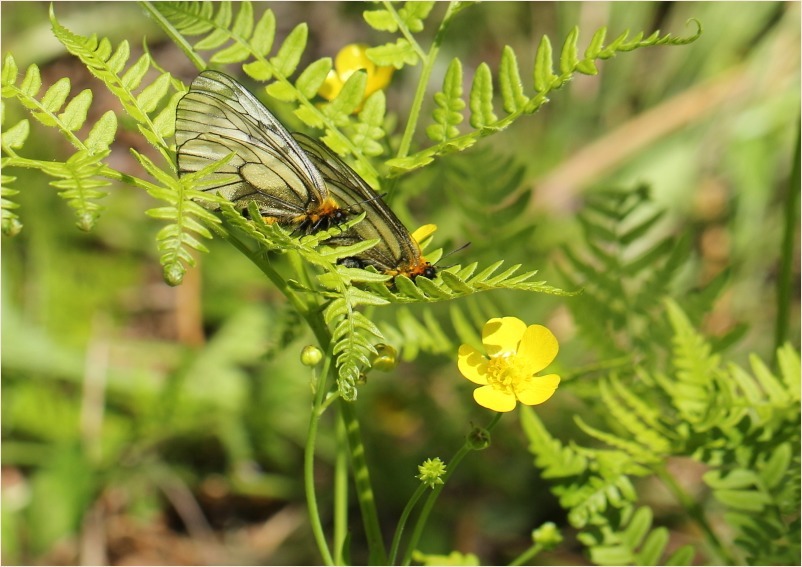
{"x": 466, "y": 448}
{"x": 616, "y": 363}
{"x": 402, "y": 522}
{"x": 364, "y": 490}
{"x": 309, "y": 462}
{"x": 402, "y": 27}
{"x": 173, "y": 34}
{"x": 355, "y": 446}
{"x": 426, "y": 71}
{"x": 527, "y": 555}
{"x": 14, "y": 160}
{"x": 340, "y": 494}
{"x": 310, "y": 315}
{"x": 695, "y": 511}
{"x": 37, "y": 106}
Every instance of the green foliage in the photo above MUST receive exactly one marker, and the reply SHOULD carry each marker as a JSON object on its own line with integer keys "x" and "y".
{"x": 742, "y": 426}
{"x": 516, "y": 102}
{"x": 448, "y": 114}
{"x": 238, "y": 39}
{"x": 626, "y": 270}
{"x": 353, "y": 335}
{"x": 691, "y": 406}
{"x": 10, "y": 220}
{"x": 150, "y": 106}
{"x": 407, "y": 20}
{"x": 77, "y": 176}
{"x": 153, "y": 112}
{"x": 338, "y": 303}
{"x": 185, "y": 215}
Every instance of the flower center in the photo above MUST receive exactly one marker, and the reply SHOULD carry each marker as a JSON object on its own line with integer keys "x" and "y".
{"x": 505, "y": 373}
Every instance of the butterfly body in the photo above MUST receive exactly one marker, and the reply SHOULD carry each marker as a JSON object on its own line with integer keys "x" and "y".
{"x": 397, "y": 252}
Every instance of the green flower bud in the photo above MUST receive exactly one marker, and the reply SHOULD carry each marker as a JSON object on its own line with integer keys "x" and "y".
{"x": 431, "y": 472}
{"x": 311, "y": 356}
{"x": 479, "y": 438}
{"x": 386, "y": 358}
{"x": 547, "y": 536}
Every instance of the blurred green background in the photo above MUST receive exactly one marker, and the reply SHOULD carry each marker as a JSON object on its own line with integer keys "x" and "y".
{"x": 146, "y": 424}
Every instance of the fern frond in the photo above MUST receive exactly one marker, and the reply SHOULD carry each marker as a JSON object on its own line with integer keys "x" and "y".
{"x": 744, "y": 426}
{"x": 625, "y": 271}
{"x": 594, "y": 487}
{"x": 155, "y": 118}
{"x": 515, "y": 100}
{"x": 80, "y": 175}
{"x": 50, "y": 111}
{"x": 185, "y": 216}
{"x": 636, "y": 542}
{"x": 415, "y": 336}
{"x": 694, "y": 393}
{"x": 235, "y": 38}
{"x": 9, "y": 223}
{"x": 78, "y": 183}
{"x": 407, "y": 20}
{"x": 449, "y": 104}
{"x": 555, "y": 459}
{"x": 354, "y": 336}
{"x": 457, "y": 281}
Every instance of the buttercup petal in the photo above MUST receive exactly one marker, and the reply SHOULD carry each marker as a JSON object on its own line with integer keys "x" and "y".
{"x": 472, "y": 364}
{"x": 331, "y": 87}
{"x": 380, "y": 79}
{"x": 496, "y": 400}
{"x": 537, "y": 390}
{"x": 538, "y": 348}
{"x": 423, "y": 232}
{"x": 350, "y": 58}
{"x": 501, "y": 335}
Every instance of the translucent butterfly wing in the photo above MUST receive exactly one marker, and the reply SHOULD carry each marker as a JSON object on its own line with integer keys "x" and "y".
{"x": 397, "y": 252}
{"x": 217, "y": 117}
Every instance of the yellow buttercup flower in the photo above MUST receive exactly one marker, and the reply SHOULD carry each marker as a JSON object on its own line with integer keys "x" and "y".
{"x": 352, "y": 58}
{"x": 515, "y": 354}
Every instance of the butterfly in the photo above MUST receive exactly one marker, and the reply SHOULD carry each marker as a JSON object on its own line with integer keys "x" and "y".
{"x": 293, "y": 179}
{"x": 219, "y": 116}
{"x": 397, "y": 252}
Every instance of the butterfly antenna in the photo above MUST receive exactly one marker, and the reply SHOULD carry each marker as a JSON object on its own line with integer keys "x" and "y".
{"x": 363, "y": 201}
{"x": 460, "y": 249}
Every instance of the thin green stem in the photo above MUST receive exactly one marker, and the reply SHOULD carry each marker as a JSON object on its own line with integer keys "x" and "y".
{"x": 787, "y": 257}
{"x": 259, "y": 259}
{"x": 466, "y": 448}
{"x": 426, "y": 71}
{"x": 530, "y": 552}
{"x": 402, "y": 522}
{"x": 321, "y": 402}
{"x": 695, "y": 511}
{"x": 174, "y": 35}
{"x": 309, "y": 465}
{"x": 402, "y": 27}
{"x": 364, "y": 490}
{"x": 610, "y": 363}
{"x": 340, "y": 494}
{"x": 14, "y": 160}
